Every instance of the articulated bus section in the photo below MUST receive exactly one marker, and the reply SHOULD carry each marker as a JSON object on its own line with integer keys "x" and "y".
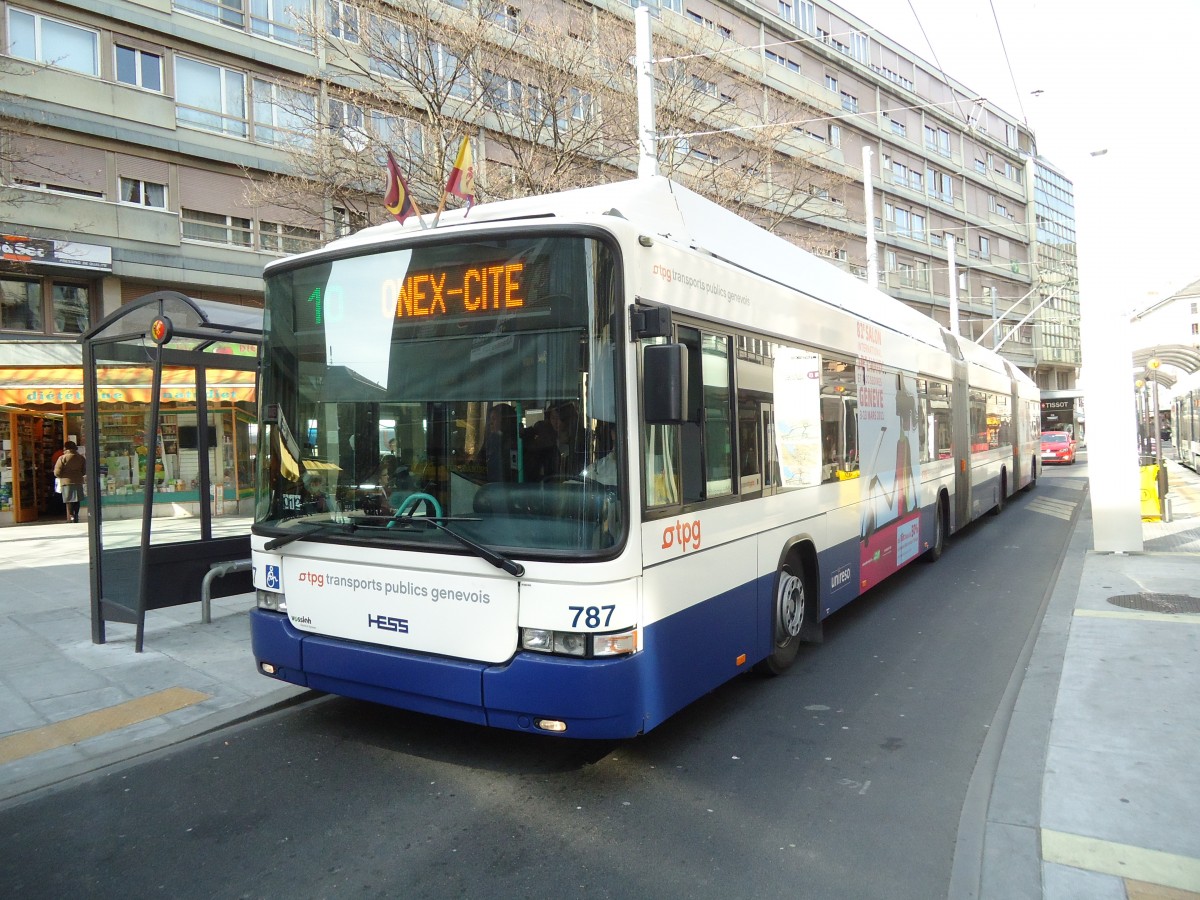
{"x": 680, "y": 448}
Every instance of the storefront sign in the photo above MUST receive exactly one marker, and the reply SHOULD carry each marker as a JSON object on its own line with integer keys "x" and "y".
{"x": 59, "y": 386}
{"x": 49, "y": 252}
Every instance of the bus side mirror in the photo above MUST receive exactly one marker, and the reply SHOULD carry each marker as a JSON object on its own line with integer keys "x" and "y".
{"x": 664, "y": 384}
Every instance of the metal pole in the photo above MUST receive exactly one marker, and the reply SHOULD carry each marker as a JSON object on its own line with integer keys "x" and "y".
{"x": 951, "y": 253}
{"x": 647, "y": 140}
{"x": 869, "y": 206}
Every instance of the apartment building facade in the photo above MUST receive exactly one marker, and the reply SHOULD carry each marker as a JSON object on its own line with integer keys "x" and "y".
{"x": 134, "y": 129}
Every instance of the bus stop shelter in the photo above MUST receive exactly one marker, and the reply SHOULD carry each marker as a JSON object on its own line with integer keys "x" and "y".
{"x": 170, "y": 385}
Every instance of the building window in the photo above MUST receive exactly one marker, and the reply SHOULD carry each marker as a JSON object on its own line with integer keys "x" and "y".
{"x": 395, "y": 132}
{"x": 143, "y": 193}
{"x": 20, "y": 305}
{"x": 210, "y": 97}
{"x": 860, "y": 47}
{"x": 937, "y": 140}
{"x": 341, "y": 19}
{"x": 507, "y": 17}
{"x": 831, "y": 83}
{"x": 275, "y": 19}
{"x": 849, "y": 102}
{"x": 806, "y": 12}
{"x": 985, "y": 247}
{"x": 139, "y": 68}
{"x": 70, "y": 304}
{"x": 227, "y": 12}
{"x": 275, "y": 237}
{"x": 282, "y": 115}
{"x": 214, "y": 228}
{"x": 898, "y": 128}
{"x": 347, "y": 121}
{"x": 23, "y": 306}
{"x": 41, "y": 39}
{"x": 835, "y": 135}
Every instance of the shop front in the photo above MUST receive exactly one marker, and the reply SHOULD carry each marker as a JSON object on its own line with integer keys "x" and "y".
{"x": 41, "y": 407}
{"x": 50, "y": 293}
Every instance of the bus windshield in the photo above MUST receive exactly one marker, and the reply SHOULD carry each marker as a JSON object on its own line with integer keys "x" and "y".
{"x": 472, "y": 382}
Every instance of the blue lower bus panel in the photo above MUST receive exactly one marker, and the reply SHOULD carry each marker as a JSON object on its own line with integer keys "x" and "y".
{"x": 594, "y": 698}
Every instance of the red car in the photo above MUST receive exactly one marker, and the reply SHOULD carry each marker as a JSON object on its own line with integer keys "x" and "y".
{"x": 1058, "y": 447}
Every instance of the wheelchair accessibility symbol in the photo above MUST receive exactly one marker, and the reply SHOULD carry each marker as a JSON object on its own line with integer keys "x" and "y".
{"x": 274, "y": 582}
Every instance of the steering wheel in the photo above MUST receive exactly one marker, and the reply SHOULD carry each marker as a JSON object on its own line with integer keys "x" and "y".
{"x": 410, "y": 503}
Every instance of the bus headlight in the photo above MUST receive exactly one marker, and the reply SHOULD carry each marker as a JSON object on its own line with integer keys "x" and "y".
{"x": 579, "y": 643}
{"x": 270, "y": 600}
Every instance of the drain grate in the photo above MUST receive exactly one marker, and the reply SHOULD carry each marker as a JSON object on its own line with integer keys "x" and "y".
{"x": 1159, "y": 603}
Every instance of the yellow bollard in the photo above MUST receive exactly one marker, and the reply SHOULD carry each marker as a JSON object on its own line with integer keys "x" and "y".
{"x": 1150, "y": 507}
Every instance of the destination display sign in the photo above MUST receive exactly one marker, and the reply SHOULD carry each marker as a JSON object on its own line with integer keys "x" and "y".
{"x": 477, "y": 289}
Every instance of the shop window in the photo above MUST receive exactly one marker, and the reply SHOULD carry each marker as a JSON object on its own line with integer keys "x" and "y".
{"x": 20, "y": 305}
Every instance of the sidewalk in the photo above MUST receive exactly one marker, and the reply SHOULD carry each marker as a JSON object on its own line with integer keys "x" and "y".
{"x": 1093, "y": 793}
{"x": 1097, "y": 789}
{"x": 68, "y": 706}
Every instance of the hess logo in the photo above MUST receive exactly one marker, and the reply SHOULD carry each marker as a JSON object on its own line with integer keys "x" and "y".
{"x": 684, "y": 535}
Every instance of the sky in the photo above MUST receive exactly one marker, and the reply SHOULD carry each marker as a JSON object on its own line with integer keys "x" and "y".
{"x": 1120, "y": 78}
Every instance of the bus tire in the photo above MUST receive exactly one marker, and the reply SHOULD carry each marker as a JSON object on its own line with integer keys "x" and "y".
{"x": 999, "y": 507}
{"x": 934, "y": 553}
{"x": 1032, "y": 476}
{"x": 789, "y": 610}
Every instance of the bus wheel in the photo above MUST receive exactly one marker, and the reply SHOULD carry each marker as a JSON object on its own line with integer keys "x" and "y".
{"x": 934, "y": 553}
{"x": 790, "y": 610}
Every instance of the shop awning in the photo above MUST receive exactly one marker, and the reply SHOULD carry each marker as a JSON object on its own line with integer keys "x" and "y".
{"x": 57, "y": 386}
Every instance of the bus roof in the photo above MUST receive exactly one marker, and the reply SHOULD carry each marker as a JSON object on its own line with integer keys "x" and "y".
{"x": 670, "y": 212}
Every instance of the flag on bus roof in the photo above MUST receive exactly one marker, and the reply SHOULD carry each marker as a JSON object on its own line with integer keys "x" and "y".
{"x": 397, "y": 198}
{"x": 462, "y": 177}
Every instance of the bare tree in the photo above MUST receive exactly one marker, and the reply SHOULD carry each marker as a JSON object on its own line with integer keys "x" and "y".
{"x": 551, "y": 88}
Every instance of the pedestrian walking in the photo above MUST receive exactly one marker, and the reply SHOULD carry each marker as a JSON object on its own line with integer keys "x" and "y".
{"x": 70, "y": 470}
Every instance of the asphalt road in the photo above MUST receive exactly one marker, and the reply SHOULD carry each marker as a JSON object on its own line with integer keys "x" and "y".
{"x": 845, "y": 777}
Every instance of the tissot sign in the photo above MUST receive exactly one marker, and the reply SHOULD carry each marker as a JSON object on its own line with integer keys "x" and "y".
{"x": 49, "y": 252}
{"x": 1057, "y": 405}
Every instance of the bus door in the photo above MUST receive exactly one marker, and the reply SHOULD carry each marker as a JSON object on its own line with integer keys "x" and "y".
{"x": 961, "y": 443}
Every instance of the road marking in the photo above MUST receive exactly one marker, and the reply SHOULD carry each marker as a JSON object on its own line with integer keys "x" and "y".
{"x": 1057, "y": 508}
{"x": 1137, "y": 890}
{"x": 1122, "y": 860}
{"x": 93, "y": 724}
{"x": 1188, "y": 618}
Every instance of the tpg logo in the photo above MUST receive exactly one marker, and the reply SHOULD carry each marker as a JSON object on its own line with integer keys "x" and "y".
{"x": 388, "y": 623}
{"x": 682, "y": 534}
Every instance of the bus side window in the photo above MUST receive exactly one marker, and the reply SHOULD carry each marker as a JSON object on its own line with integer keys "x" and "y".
{"x": 839, "y": 420}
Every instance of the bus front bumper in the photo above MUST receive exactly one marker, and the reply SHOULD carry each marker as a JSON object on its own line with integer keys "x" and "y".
{"x": 592, "y": 698}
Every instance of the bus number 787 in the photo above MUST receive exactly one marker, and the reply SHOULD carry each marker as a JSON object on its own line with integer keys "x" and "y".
{"x": 591, "y": 615}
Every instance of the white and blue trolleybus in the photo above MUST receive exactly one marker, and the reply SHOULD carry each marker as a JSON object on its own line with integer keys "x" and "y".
{"x": 567, "y": 463}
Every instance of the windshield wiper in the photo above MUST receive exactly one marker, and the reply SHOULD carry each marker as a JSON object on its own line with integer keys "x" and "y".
{"x": 499, "y": 560}
{"x": 324, "y": 527}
